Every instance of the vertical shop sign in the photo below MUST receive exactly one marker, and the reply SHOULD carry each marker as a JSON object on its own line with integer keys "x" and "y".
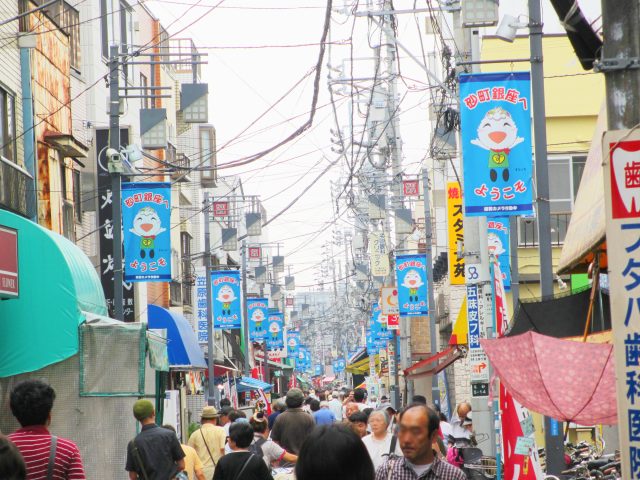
{"x": 495, "y": 123}
{"x": 455, "y": 233}
{"x": 105, "y": 220}
{"x": 621, "y": 163}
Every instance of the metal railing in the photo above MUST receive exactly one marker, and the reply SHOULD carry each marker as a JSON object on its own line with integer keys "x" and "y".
{"x": 528, "y": 230}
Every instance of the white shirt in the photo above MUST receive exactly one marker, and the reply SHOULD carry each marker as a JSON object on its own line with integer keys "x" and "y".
{"x": 446, "y": 429}
{"x": 419, "y": 469}
{"x": 457, "y": 430}
{"x": 336, "y": 407}
{"x": 379, "y": 449}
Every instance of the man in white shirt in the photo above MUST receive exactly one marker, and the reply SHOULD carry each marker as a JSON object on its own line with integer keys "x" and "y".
{"x": 462, "y": 413}
{"x": 379, "y": 441}
{"x": 335, "y": 405}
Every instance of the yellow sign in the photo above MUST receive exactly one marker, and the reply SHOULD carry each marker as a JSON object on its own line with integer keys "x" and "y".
{"x": 456, "y": 233}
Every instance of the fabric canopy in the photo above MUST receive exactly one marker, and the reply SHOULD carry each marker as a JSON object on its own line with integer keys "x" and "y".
{"x": 361, "y": 367}
{"x": 182, "y": 344}
{"x": 563, "y": 379}
{"x": 328, "y": 379}
{"x": 57, "y": 284}
{"x": 560, "y": 316}
{"x": 246, "y": 384}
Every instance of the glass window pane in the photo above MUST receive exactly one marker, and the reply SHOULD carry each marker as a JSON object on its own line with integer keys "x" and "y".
{"x": 205, "y": 147}
{"x": 9, "y": 144}
{"x": 578, "y": 168}
{"x": 559, "y": 180}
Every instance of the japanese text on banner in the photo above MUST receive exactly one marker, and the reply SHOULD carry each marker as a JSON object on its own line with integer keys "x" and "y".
{"x": 225, "y": 288}
{"x": 496, "y": 143}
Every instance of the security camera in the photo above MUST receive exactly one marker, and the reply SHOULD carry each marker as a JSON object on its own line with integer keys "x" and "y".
{"x": 113, "y": 154}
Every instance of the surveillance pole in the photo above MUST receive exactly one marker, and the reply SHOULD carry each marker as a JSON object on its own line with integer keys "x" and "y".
{"x": 115, "y": 170}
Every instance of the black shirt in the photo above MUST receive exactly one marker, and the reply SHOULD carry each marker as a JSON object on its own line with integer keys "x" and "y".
{"x": 230, "y": 465}
{"x": 159, "y": 451}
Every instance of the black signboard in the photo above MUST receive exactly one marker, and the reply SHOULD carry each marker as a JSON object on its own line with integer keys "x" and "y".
{"x": 479, "y": 389}
{"x": 105, "y": 217}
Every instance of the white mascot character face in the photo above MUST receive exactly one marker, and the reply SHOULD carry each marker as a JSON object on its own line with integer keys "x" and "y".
{"x": 293, "y": 343}
{"x": 225, "y": 294}
{"x": 495, "y": 244}
{"x": 257, "y": 316}
{"x": 412, "y": 279}
{"x": 274, "y": 328}
{"x": 146, "y": 223}
{"x": 497, "y": 130}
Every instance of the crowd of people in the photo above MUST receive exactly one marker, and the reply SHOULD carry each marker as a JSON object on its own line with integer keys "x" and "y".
{"x": 308, "y": 436}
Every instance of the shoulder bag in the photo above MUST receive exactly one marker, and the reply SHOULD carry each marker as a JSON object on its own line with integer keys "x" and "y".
{"x": 206, "y": 445}
{"x": 239, "y": 474}
{"x": 136, "y": 453}
{"x": 52, "y": 457}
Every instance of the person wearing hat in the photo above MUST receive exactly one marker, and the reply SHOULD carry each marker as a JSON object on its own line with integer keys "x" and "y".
{"x": 208, "y": 441}
{"x": 292, "y": 426}
{"x": 155, "y": 453}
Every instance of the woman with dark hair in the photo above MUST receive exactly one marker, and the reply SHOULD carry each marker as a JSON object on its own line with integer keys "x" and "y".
{"x": 334, "y": 451}
{"x": 263, "y": 446}
{"x": 12, "y": 465}
{"x": 241, "y": 464}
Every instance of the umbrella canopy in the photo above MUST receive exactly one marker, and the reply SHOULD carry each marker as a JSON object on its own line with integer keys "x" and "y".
{"x": 566, "y": 380}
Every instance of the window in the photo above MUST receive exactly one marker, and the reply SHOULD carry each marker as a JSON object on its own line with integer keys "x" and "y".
{"x": 104, "y": 27}
{"x": 63, "y": 181}
{"x": 187, "y": 275}
{"x": 7, "y": 125}
{"x": 565, "y": 174}
{"x": 71, "y": 25}
{"x": 207, "y": 159}
{"x": 77, "y": 196}
{"x": 144, "y": 82}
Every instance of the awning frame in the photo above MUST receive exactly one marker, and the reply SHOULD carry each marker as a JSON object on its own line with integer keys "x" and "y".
{"x": 441, "y": 360}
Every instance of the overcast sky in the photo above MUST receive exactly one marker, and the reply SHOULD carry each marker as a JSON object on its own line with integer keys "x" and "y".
{"x": 246, "y": 82}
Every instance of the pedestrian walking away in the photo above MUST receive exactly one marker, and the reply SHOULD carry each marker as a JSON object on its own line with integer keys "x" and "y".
{"x": 192, "y": 463}
{"x": 334, "y": 452}
{"x": 294, "y": 425}
{"x": 419, "y": 426}
{"x": 155, "y": 453}
{"x": 241, "y": 464}
{"x": 263, "y": 446}
{"x": 208, "y": 441}
{"x": 321, "y": 413}
{"x": 45, "y": 455}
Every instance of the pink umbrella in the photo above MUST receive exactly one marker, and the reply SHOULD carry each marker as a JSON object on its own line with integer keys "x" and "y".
{"x": 566, "y": 380}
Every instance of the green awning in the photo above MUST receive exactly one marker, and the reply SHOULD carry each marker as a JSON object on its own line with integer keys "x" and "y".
{"x": 57, "y": 283}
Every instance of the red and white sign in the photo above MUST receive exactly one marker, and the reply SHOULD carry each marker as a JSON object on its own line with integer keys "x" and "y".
{"x": 220, "y": 209}
{"x": 255, "y": 253}
{"x": 8, "y": 263}
{"x": 393, "y": 322}
{"x": 625, "y": 179}
{"x": 290, "y": 302}
{"x": 411, "y": 188}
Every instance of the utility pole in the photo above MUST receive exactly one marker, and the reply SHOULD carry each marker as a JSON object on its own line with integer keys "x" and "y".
{"x": 211, "y": 341}
{"x": 115, "y": 170}
{"x": 428, "y": 234}
{"x": 554, "y": 440}
{"x": 245, "y": 317}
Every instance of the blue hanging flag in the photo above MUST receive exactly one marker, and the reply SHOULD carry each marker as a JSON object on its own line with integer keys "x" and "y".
{"x": 411, "y": 274}
{"x": 495, "y": 125}
{"x": 319, "y": 370}
{"x": 378, "y": 324}
{"x": 275, "y": 334}
{"x": 225, "y": 288}
{"x": 499, "y": 246}
{"x": 146, "y": 216}
{"x": 293, "y": 343}
{"x": 257, "y": 311}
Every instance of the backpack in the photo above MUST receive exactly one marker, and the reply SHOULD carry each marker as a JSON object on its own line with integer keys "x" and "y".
{"x": 256, "y": 447}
